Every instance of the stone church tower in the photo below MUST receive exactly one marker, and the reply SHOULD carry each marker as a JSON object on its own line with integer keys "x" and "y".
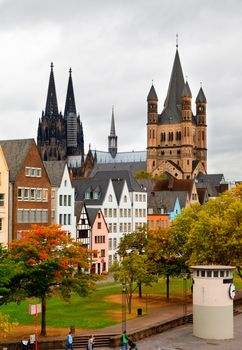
{"x": 176, "y": 138}
{"x": 60, "y": 136}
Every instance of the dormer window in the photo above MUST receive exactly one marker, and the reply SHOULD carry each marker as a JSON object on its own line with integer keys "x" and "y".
{"x": 110, "y": 198}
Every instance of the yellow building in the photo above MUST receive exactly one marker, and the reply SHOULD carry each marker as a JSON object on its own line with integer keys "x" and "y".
{"x": 177, "y": 138}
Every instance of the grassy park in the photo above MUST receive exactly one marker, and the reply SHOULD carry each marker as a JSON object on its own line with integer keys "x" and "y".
{"x": 101, "y": 309}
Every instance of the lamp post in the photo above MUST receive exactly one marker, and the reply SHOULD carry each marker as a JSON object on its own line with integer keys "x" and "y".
{"x": 123, "y": 307}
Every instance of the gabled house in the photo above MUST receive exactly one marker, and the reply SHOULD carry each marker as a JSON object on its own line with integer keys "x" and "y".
{"x": 121, "y": 199}
{"x": 4, "y": 195}
{"x": 83, "y": 226}
{"x": 99, "y": 241}
{"x": 62, "y": 196}
{"x": 29, "y": 187}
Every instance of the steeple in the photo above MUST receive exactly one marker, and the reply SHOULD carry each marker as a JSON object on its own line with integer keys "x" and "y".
{"x": 70, "y": 106}
{"x": 176, "y": 85}
{"x": 51, "y": 108}
{"x": 152, "y": 94}
{"x": 201, "y": 96}
{"x": 112, "y": 138}
{"x": 186, "y": 92}
{"x": 112, "y": 131}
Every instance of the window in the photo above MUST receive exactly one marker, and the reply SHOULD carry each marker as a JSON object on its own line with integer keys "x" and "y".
{"x": 1, "y": 224}
{"x": 33, "y": 172}
{"x": 32, "y": 216}
{"x": 45, "y": 195}
{"x": 136, "y": 213}
{"x": 65, "y": 217}
{"x": 38, "y": 194}
{"x": 52, "y": 214}
{"x": 20, "y": 216}
{"x": 65, "y": 183}
{"x": 121, "y": 227}
{"x": 215, "y": 273}
{"x": 121, "y": 212}
{"x": 65, "y": 200}
{"x": 26, "y": 215}
{"x": 60, "y": 218}
{"x": 144, "y": 198}
{"x": 27, "y": 171}
{"x": 105, "y": 212}
{"x": 125, "y": 199}
{"x": 140, "y": 213}
{"x": 129, "y": 213}
{"x": 110, "y": 243}
{"x": 110, "y": 198}
{"x": 110, "y": 227}
{"x": 144, "y": 213}
{"x": 69, "y": 219}
{"x": 125, "y": 227}
{"x": 129, "y": 227}
{"x": 140, "y": 197}
{"x": 125, "y": 213}
{"x": 114, "y": 227}
{"x": 136, "y": 198}
{"x": 69, "y": 200}
{"x": 26, "y": 194}
{"x": 44, "y": 215}
{"x": 110, "y": 212}
{"x": 82, "y": 233}
{"x": 32, "y": 194}
{"x": 115, "y": 213}
{"x": 99, "y": 225}
{"x": 99, "y": 215}
{"x": 102, "y": 253}
{"x": 99, "y": 239}
{"x": 20, "y": 193}
{"x": 114, "y": 243}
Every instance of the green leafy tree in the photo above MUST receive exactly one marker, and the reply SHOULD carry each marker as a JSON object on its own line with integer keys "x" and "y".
{"x": 134, "y": 242}
{"x": 164, "y": 253}
{"x": 132, "y": 270}
{"x": 212, "y": 234}
{"x": 52, "y": 264}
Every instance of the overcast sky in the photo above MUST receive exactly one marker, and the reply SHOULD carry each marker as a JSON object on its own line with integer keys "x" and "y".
{"x": 115, "y": 49}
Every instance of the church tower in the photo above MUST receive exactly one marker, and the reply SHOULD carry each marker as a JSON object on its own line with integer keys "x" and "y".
{"x": 112, "y": 138}
{"x": 176, "y": 138}
{"x": 59, "y": 136}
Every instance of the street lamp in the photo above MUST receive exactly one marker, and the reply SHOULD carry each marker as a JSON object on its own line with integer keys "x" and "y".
{"x": 124, "y": 290}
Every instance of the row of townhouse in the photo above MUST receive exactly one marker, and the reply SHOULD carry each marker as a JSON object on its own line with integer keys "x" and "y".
{"x": 97, "y": 211}
{"x": 121, "y": 199}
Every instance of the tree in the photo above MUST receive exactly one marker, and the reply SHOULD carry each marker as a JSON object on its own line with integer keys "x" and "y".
{"x": 6, "y": 326}
{"x": 212, "y": 234}
{"x": 164, "y": 252}
{"x": 132, "y": 270}
{"x": 52, "y": 263}
{"x": 134, "y": 242}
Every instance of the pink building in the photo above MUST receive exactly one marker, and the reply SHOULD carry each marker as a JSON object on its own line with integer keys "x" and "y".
{"x": 99, "y": 240}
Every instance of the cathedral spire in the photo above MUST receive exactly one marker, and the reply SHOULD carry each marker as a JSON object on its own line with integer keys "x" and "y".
{"x": 176, "y": 85}
{"x": 70, "y": 106}
{"x": 51, "y": 108}
{"x": 112, "y": 131}
{"x": 112, "y": 138}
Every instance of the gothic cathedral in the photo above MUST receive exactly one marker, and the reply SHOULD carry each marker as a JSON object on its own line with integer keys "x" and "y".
{"x": 60, "y": 136}
{"x": 176, "y": 138}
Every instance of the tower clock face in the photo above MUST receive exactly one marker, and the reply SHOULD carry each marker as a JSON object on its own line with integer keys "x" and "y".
{"x": 232, "y": 291}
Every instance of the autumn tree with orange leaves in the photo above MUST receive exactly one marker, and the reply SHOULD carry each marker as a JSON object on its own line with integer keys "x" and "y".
{"x": 52, "y": 263}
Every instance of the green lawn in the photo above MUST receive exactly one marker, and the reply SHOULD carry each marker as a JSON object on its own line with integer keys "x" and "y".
{"x": 92, "y": 312}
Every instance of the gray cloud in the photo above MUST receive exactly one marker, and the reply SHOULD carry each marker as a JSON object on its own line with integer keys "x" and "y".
{"x": 115, "y": 49}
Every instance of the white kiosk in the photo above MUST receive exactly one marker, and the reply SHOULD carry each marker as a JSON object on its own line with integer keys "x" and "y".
{"x": 213, "y": 293}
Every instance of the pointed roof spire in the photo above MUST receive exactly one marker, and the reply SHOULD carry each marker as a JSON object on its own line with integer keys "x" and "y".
{"x": 70, "y": 106}
{"x": 112, "y": 131}
{"x": 176, "y": 85}
{"x": 152, "y": 94}
{"x": 186, "y": 92}
{"x": 201, "y": 96}
{"x": 51, "y": 108}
